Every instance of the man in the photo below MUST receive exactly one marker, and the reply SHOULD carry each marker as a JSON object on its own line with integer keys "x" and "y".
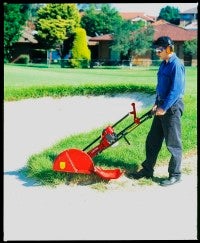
{"x": 168, "y": 109}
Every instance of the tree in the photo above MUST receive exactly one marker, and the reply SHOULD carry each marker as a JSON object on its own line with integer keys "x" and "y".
{"x": 89, "y": 21}
{"x": 190, "y": 47}
{"x": 80, "y": 52}
{"x": 56, "y": 25}
{"x": 100, "y": 22}
{"x": 132, "y": 39}
{"x": 141, "y": 40}
{"x": 33, "y": 9}
{"x": 170, "y": 14}
{"x": 121, "y": 37}
{"x": 85, "y": 6}
{"x": 15, "y": 16}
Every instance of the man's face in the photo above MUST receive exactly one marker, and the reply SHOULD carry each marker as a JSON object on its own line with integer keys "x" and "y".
{"x": 161, "y": 52}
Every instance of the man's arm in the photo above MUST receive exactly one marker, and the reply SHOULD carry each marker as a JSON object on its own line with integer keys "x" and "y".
{"x": 177, "y": 76}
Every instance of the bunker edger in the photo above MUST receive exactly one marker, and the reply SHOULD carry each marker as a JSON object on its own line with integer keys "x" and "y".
{"x": 79, "y": 161}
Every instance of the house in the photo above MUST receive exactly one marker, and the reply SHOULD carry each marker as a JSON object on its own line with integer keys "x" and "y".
{"x": 137, "y": 16}
{"x": 176, "y": 33}
{"x": 101, "y": 49}
{"x": 188, "y": 17}
{"x": 132, "y": 16}
{"x": 28, "y": 45}
{"x": 23, "y": 46}
{"x": 100, "y": 45}
{"x": 161, "y": 28}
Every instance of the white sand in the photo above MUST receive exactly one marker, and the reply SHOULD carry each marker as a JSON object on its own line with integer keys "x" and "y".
{"x": 81, "y": 213}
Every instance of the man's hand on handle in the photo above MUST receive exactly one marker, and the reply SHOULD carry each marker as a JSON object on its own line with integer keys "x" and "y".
{"x": 158, "y": 111}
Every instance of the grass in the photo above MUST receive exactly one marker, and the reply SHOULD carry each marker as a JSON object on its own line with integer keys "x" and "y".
{"x": 22, "y": 82}
{"x": 60, "y": 82}
{"x": 28, "y": 82}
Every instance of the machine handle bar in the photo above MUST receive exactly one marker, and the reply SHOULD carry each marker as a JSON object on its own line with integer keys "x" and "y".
{"x": 136, "y": 120}
{"x": 143, "y": 118}
{"x": 123, "y": 133}
{"x": 100, "y": 135}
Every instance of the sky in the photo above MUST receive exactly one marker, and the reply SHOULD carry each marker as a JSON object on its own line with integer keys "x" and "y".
{"x": 151, "y": 8}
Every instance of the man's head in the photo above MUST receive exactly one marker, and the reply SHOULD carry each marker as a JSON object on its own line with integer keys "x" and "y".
{"x": 164, "y": 46}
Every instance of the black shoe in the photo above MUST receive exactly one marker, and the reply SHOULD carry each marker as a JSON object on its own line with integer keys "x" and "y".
{"x": 140, "y": 174}
{"x": 170, "y": 181}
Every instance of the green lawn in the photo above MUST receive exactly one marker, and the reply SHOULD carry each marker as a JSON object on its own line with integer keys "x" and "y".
{"x": 19, "y": 76}
{"x": 31, "y": 82}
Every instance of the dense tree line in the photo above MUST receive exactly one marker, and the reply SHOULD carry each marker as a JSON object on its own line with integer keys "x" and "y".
{"x": 15, "y": 16}
{"x": 59, "y": 26}
{"x": 170, "y": 14}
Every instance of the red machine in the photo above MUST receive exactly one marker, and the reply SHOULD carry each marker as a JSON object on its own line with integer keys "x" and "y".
{"x": 78, "y": 161}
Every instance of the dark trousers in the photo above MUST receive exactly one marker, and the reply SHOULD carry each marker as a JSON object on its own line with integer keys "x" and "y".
{"x": 166, "y": 127}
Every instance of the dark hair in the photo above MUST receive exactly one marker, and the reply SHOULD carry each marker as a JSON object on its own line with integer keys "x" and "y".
{"x": 163, "y": 41}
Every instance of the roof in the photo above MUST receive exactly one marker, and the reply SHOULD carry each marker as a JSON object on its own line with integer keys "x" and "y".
{"x": 27, "y": 36}
{"x": 190, "y": 11}
{"x": 91, "y": 43}
{"x": 130, "y": 15}
{"x": 106, "y": 37}
{"x": 162, "y": 28}
{"x": 133, "y": 15}
{"x": 30, "y": 24}
{"x": 176, "y": 33}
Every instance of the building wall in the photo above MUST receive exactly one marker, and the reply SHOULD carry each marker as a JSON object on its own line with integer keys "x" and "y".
{"x": 20, "y": 49}
{"x": 104, "y": 52}
{"x": 23, "y": 49}
{"x": 114, "y": 55}
{"x": 144, "y": 60}
{"x": 188, "y": 61}
{"x": 147, "y": 59}
{"x": 194, "y": 62}
{"x": 178, "y": 48}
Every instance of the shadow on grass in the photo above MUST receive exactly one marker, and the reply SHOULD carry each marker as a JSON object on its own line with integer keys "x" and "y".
{"x": 129, "y": 168}
{"x": 129, "y": 174}
{"x": 71, "y": 178}
{"x": 48, "y": 177}
{"x": 102, "y": 161}
{"x": 20, "y": 175}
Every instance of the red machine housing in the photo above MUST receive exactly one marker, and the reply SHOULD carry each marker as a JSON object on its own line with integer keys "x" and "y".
{"x": 107, "y": 137}
{"x": 78, "y": 161}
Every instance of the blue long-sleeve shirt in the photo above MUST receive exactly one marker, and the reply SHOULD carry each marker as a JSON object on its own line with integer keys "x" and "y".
{"x": 171, "y": 82}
